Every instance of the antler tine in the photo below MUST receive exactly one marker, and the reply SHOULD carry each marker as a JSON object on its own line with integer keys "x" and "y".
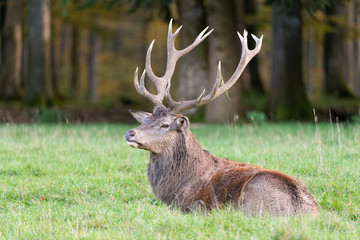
{"x": 197, "y": 41}
{"x": 173, "y": 55}
{"x": 201, "y": 100}
{"x": 246, "y": 56}
{"x": 148, "y": 67}
{"x": 154, "y": 99}
{"x": 182, "y": 104}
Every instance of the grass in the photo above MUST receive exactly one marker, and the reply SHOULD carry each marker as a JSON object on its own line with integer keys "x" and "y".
{"x": 83, "y": 181}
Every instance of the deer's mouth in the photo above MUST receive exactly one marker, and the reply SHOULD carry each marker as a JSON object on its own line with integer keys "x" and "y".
{"x": 133, "y": 144}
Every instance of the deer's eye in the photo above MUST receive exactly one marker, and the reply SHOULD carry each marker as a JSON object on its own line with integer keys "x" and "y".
{"x": 165, "y": 125}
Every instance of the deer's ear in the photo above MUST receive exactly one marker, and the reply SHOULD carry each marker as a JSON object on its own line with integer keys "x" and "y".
{"x": 140, "y": 115}
{"x": 182, "y": 123}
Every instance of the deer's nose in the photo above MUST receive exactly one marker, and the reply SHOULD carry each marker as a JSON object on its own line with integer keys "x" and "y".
{"x": 129, "y": 134}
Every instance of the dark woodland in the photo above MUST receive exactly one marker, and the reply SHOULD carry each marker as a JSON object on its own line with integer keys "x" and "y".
{"x": 74, "y": 60}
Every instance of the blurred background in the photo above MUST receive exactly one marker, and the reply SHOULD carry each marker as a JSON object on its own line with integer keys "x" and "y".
{"x": 74, "y": 60}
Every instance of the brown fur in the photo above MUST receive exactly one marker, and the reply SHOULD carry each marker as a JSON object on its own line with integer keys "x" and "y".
{"x": 183, "y": 175}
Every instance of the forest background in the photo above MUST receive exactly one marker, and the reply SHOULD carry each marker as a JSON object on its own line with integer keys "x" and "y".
{"x": 75, "y": 60}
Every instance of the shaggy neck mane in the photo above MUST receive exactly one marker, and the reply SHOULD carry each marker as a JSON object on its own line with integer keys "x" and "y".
{"x": 177, "y": 169}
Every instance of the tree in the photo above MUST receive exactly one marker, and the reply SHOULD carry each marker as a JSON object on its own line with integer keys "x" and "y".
{"x": 10, "y": 74}
{"x": 193, "y": 75}
{"x": 245, "y": 79}
{"x": 2, "y": 20}
{"x": 56, "y": 53}
{"x": 251, "y": 8}
{"x": 94, "y": 45}
{"x": 225, "y": 46}
{"x": 334, "y": 42}
{"x": 287, "y": 97}
{"x": 356, "y": 50}
{"x": 75, "y": 59}
{"x": 39, "y": 85}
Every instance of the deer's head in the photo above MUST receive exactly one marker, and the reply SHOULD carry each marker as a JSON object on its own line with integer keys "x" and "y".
{"x": 159, "y": 129}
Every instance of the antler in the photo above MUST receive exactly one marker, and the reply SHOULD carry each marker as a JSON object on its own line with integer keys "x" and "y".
{"x": 173, "y": 55}
{"x": 246, "y": 56}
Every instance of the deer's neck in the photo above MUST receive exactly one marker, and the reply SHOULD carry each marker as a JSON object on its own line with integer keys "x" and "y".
{"x": 179, "y": 168}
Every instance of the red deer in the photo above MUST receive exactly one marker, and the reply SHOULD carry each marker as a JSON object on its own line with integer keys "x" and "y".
{"x": 185, "y": 176}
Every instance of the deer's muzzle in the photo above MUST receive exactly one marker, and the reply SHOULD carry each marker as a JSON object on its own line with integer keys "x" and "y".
{"x": 128, "y": 136}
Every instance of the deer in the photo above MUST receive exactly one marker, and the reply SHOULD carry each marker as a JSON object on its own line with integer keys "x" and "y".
{"x": 186, "y": 177}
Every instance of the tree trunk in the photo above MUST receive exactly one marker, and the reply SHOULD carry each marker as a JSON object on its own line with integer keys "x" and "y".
{"x": 24, "y": 55}
{"x": 64, "y": 66}
{"x": 193, "y": 76}
{"x": 251, "y": 8}
{"x": 287, "y": 98}
{"x": 56, "y": 54}
{"x": 244, "y": 80}
{"x": 39, "y": 86}
{"x": 224, "y": 45}
{"x": 334, "y": 42}
{"x": 10, "y": 75}
{"x": 311, "y": 59}
{"x": 47, "y": 51}
{"x": 94, "y": 45}
{"x": 75, "y": 60}
{"x": 2, "y": 21}
{"x": 356, "y": 51}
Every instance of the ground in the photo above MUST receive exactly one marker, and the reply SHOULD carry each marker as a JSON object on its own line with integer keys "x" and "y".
{"x": 66, "y": 181}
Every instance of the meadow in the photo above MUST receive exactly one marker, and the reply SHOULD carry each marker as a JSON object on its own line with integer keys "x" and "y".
{"x": 84, "y": 181}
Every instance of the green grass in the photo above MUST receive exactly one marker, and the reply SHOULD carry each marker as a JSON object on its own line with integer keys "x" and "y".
{"x": 83, "y": 181}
